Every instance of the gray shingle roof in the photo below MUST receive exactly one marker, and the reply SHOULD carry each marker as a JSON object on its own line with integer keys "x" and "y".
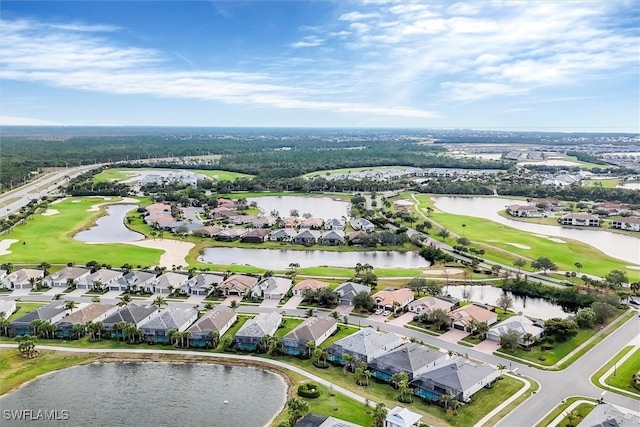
{"x": 457, "y": 374}
{"x": 45, "y": 312}
{"x": 364, "y": 342}
{"x": 348, "y": 290}
{"x": 131, "y": 313}
{"x": 171, "y": 318}
{"x": 87, "y": 313}
{"x": 213, "y": 321}
{"x": 409, "y": 358}
{"x": 311, "y": 329}
{"x": 261, "y": 325}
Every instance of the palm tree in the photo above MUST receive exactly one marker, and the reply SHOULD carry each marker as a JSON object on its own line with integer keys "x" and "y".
{"x": 95, "y": 299}
{"x": 405, "y": 391}
{"x": 4, "y": 325}
{"x": 310, "y": 312}
{"x": 455, "y": 404}
{"x": 528, "y": 340}
{"x": 335, "y": 315}
{"x": 234, "y": 304}
{"x": 70, "y": 305}
{"x": 571, "y": 417}
{"x": 311, "y": 346}
{"x": 482, "y": 328}
{"x": 57, "y": 297}
{"x": 398, "y": 377}
{"x": 124, "y": 299}
{"x": 349, "y": 361}
{"x": 209, "y": 305}
{"x": 502, "y": 368}
{"x": 159, "y": 301}
{"x": 578, "y": 267}
{"x": 215, "y": 339}
{"x": 36, "y": 325}
{"x": 173, "y": 336}
{"x": 519, "y": 262}
{"x": 78, "y": 330}
{"x": 71, "y": 283}
{"x": 446, "y": 400}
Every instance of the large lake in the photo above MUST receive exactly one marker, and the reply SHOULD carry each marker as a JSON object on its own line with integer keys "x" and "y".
{"x": 623, "y": 247}
{"x": 321, "y": 207}
{"x": 539, "y": 308}
{"x": 278, "y": 259}
{"x": 111, "y": 228}
{"x": 153, "y": 394}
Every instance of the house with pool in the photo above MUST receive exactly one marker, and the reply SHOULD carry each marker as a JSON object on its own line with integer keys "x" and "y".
{"x": 251, "y": 333}
{"x": 238, "y": 285}
{"x": 217, "y": 321}
{"x": 314, "y": 329}
{"x": 91, "y": 313}
{"x": 158, "y": 328}
{"x": 130, "y": 313}
{"x": 410, "y": 358}
{"x": 365, "y": 345}
{"x": 458, "y": 377}
{"x": 52, "y": 313}
{"x": 63, "y": 277}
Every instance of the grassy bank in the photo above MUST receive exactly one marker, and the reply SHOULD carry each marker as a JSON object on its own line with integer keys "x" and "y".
{"x": 122, "y": 174}
{"x": 502, "y": 237}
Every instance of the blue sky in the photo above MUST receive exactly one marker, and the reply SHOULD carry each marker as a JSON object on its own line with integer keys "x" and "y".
{"x": 516, "y": 65}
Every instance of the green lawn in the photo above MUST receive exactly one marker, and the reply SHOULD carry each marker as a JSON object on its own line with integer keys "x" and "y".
{"x": 23, "y": 308}
{"x": 288, "y": 325}
{"x": 580, "y": 411}
{"x": 561, "y": 409}
{"x": 606, "y": 183}
{"x": 220, "y": 175}
{"x": 352, "y": 170}
{"x": 499, "y": 236}
{"x": 552, "y": 356}
{"x": 50, "y": 238}
{"x": 623, "y": 375}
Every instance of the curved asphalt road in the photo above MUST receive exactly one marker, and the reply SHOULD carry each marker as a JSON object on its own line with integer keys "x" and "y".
{"x": 554, "y": 385}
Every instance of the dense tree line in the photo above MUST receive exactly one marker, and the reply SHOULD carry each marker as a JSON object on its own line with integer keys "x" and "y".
{"x": 570, "y": 193}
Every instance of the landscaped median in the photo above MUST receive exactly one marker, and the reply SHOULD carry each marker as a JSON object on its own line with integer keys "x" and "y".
{"x": 564, "y": 354}
{"x": 617, "y": 375}
{"x": 578, "y": 405}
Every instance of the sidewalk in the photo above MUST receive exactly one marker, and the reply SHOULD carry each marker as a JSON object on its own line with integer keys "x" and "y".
{"x": 602, "y": 380}
{"x": 569, "y": 408}
{"x": 523, "y": 389}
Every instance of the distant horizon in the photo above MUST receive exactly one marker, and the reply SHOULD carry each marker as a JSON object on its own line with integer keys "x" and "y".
{"x": 525, "y": 66}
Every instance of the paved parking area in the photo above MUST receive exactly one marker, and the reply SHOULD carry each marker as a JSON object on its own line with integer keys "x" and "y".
{"x": 270, "y": 302}
{"x": 454, "y": 335}
{"x": 402, "y": 320}
{"x": 293, "y": 302}
{"x": 487, "y": 346}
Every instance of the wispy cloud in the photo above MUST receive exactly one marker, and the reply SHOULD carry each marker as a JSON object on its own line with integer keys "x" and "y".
{"x": 60, "y": 57}
{"x": 308, "y": 41}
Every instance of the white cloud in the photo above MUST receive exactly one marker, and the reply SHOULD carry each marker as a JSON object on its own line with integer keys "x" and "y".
{"x": 24, "y": 121}
{"x": 357, "y": 16}
{"x": 459, "y": 91}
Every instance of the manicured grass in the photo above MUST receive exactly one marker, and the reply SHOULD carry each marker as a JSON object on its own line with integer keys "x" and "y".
{"x": 595, "y": 378}
{"x": 50, "y": 239}
{"x": 561, "y": 408}
{"x": 606, "y": 183}
{"x": 535, "y": 386}
{"x": 23, "y": 308}
{"x": 119, "y": 174}
{"x": 16, "y": 370}
{"x": 581, "y": 411}
{"x": 220, "y": 175}
{"x": 623, "y": 375}
{"x": 483, "y": 231}
{"x": 343, "y": 331}
{"x": 552, "y": 356}
{"x": 288, "y": 325}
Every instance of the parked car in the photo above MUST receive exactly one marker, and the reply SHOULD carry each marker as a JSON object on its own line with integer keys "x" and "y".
{"x": 378, "y": 311}
{"x": 386, "y": 313}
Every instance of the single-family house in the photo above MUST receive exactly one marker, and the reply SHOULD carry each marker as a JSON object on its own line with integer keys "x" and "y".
{"x": 612, "y": 208}
{"x": 333, "y": 238}
{"x": 365, "y": 345}
{"x": 526, "y": 211}
{"x": 25, "y": 278}
{"x": 272, "y": 288}
{"x": 546, "y": 203}
{"x": 264, "y": 221}
{"x": 249, "y": 335}
{"x": 63, "y": 277}
{"x": 458, "y": 377}
{"x": 394, "y": 300}
{"x": 257, "y": 235}
{"x": 312, "y": 223}
{"x": 238, "y": 284}
{"x": 355, "y": 237}
{"x": 168, "y": 283}
{"x": 91, "y": 313}
{"x": 242, "y": 219}
{"x": 133, "y": 280}
{"x": 157, "y": 329}
{"x": 7, "y": 308}
{"x": 362, "y": 224}
{"x": 300, "y": 288}
{"x": 307, "y": 237}
{"x": 348, "y": 290}
{"x": 291, "y": 222}
{"x": 209, "y": 231}
{"x": 580, "y": 220}
{"x": 334, "y": 224}
{"x": 130, "y": 313}
{"x": 103, "y": 276}
{"x": 215, "y": 321}
{"x": 402, "y": 417}
{"x": 428, "y": 304}
{"x": 313, "y": 329}
{"x": 283, "y": 235}
{"x": 631, "y": 223}
{"x": 522, "y": 325}
{"x": 315, "y": 420}
{"x": 226, "y": 203}
{"x": 203, "y": 284}
{"x": 230, "y": 234}
{"x": 607, "y": 415}
{"x": 463, "y": 317}
{"x": 52, "y": 312}
{"x": 410, "y": 358}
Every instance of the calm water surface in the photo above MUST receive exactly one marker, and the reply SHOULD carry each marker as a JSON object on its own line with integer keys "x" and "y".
{"x": 321, "y": 207}
{"x": 278, "y": 259}
{"x": 535, "y": 307}
{"x": 153, "y": 394}
{"x": 111, "y": 228}
{"x": 623, "y": 247}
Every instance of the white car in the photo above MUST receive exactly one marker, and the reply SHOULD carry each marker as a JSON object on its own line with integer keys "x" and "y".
{"x": 386, "y": 313}
{"x": 378, "y": 311}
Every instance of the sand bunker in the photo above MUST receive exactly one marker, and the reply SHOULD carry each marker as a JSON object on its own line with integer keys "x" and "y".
{"x": 50, "y": 212}
{"x": 553, "y": 239}
{"x": 96, "y": 207}
{"x": 517, "y": 245}
{"x": 5, "y": 245}
{"x": 76, "y": 201}
{"x": 633, "y": 267}
{"x": 55, "y": 202}
{"x": 440, "y": 272}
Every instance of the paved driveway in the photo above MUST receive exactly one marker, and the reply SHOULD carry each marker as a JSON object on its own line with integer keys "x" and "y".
{"x": 270, "y": 302}
{"x": 195, "y": 299}
{"x": 293, "y": 302}
{"x": 228, "y": 300}
{"x": 344, "y": 309}
{"x": 55, "y": 290}
{"x": 487, "y": 346}
{"x": 454, "y": 335}
{"x": 111, "y": 295}
{"x": 402, "y": 320}
{"x": 79, "y": 293}
{"x": 20, "y": 292}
